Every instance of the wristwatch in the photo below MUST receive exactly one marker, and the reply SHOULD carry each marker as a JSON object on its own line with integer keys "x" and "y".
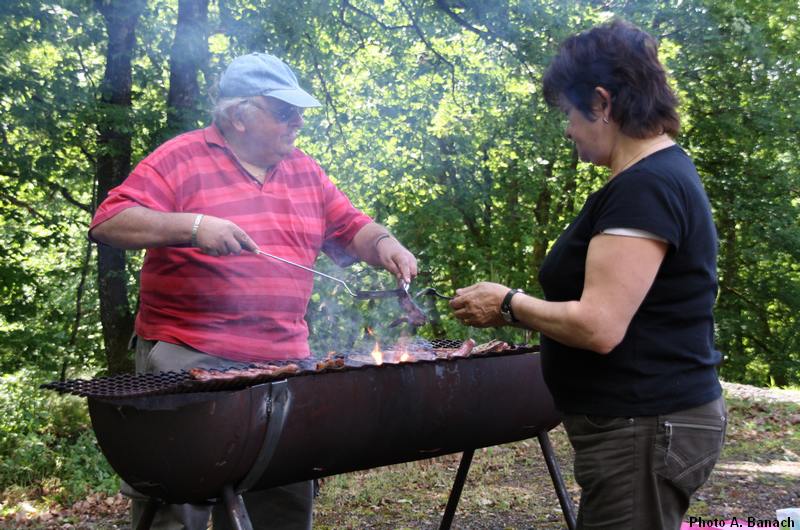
{"x": 505, "y": 306}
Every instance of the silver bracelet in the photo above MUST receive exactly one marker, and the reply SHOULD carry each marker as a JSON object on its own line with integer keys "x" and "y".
{"x": 195, "y": 226}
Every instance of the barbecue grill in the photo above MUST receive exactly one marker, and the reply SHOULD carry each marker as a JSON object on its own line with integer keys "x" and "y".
{"x": 177, "y": 439}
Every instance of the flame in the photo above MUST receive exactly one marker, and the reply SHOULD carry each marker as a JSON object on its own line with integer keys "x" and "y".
{"x": 377, "y": 354}
{"x": 402, "y": 349}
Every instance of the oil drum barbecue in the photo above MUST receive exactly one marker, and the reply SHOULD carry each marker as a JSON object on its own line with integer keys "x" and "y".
{"x": 181, "y": 437}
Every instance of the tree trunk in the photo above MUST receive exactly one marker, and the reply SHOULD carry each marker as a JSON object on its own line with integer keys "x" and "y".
{"x": 731, "y": 345}
{"x": 542, "y": 214}
{"x": 189, "y": 57}
{"x": 113, "y": 165}
{"x": 550, "y": 210}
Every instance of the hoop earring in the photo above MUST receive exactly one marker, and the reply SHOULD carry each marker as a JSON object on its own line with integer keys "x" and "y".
{"x": 605, "y": 120}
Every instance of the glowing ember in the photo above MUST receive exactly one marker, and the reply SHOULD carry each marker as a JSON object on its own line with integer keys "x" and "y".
{"x": 405, "y": 357}
{"x": 377, "y": 354}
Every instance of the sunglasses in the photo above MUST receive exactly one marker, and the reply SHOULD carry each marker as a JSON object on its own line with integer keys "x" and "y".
{"x": 284, "y": 115}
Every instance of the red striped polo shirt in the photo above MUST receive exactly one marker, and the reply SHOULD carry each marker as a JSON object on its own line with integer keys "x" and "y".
{"x": 246, "y": 307}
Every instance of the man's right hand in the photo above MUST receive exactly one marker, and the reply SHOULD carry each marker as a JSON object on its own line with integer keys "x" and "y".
{"x": 139, "y": 227}
{"x": 220, "y": 237}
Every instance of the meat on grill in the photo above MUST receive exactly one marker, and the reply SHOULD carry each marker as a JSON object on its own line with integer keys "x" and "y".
{"x": 490, "y": 347}
{"x": 414, "y": 315}
{"x": 330, "y": 362}
{"x": 230, "y": 374}
{"x": 337, "y": 361}
{"x": 464, "y": 350}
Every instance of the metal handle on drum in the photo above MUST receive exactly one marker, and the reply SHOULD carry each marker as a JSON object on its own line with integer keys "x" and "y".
{"x": 276, "y": 404}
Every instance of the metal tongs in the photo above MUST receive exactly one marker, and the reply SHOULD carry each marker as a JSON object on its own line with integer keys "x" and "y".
{"x": 357, "y": 294}
{"x": 430, "y": 291}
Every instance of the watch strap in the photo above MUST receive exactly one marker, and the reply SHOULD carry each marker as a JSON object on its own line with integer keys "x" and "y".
{"x": 505, "y": 306}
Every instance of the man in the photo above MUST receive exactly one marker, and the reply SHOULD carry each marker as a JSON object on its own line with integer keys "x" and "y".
{"x": 201, "y": 204}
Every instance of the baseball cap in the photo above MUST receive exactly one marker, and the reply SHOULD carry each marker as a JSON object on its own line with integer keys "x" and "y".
{"x": 261, "y": 74}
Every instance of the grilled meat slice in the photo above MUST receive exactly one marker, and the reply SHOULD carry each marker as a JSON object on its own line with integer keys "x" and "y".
{"x": 490, "y": 347}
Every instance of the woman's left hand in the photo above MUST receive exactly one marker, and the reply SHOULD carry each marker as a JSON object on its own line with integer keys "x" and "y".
{"x": 479, "y": 305}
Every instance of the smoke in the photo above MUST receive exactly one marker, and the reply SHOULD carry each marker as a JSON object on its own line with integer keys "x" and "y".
{"x": 338, "y": 322}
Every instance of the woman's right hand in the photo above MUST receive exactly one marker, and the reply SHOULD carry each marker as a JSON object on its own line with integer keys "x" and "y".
{"x": 479, "y": 305}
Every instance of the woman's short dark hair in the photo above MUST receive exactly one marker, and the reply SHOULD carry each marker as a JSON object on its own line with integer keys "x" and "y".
{"x": 623, "y": 59}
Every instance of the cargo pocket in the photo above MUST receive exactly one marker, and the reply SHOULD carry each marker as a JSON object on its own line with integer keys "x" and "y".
{"x": 687, "y": 448}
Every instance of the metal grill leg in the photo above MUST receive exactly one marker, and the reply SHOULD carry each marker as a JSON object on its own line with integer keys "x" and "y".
{"x": 237, "y": 513}
{"x": 148, "y": 514}
{"x": 558, "y": 481}
{"x": 455, "y": 493}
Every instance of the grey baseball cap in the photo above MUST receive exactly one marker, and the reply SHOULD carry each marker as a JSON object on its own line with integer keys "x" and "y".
{"x": 261, "y": 74}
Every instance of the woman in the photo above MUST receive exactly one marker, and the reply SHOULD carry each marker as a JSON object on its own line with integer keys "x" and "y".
{"x": 626, "y": 324}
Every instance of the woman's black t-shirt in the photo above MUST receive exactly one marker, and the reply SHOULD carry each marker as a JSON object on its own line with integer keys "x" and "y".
{"x": 667, "y": 360}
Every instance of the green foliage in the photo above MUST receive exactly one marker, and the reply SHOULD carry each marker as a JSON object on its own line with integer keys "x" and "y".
{"x": 445, "y": 139}
{"x": 432, "y": 123}
{"x": 47, "y": 77}
{"x": 46, "y": 442}
{"x": 739, "y": 82}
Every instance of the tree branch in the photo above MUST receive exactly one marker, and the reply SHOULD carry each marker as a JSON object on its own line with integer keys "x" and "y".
{"x": 759, "y": 311}
{"x": 347, "y": 5}
{"x": 443, "y": 6}
{"x": 359, "y": 35}
{"x": 328, "y": 97}
{"x": 78, "y": 302}
{"x": 448, "y": 178}
{"x": 83, "y": 67}
{"x": 429, "y": 45}
{"x": 747, "y": 301}
{"x": 54, "y": 186}
{"x": 89, "y": 156}
{"x": 763, "y": 345}
{"x": 487, "y": 35}
{"x": 9, "y": 197}
{"x": 69, "y": 198}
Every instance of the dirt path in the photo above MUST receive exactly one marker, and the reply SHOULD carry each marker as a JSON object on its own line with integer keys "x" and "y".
{"x": 755, "y": 393}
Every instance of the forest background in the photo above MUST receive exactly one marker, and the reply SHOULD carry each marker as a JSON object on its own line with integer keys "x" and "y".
{"x": 432, "y": 122}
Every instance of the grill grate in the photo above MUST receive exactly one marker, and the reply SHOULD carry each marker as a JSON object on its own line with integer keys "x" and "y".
{"x": 446, "y": 343}
{"x": 125, "y": 385}
{"x": 165, "y": 383}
